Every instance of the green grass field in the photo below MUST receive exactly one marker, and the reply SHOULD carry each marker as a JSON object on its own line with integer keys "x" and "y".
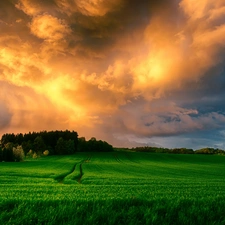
{"x": 114, "y": 188}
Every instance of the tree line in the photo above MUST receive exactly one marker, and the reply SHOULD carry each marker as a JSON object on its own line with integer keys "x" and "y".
{"x": 14, "y": 147}
{"x": 179, "y": 150}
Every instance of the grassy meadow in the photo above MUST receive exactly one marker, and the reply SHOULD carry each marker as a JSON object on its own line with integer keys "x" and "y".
{"x": 114, "y": 188}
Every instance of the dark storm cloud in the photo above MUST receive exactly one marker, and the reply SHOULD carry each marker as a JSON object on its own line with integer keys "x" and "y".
{"x": 207, "y": 94}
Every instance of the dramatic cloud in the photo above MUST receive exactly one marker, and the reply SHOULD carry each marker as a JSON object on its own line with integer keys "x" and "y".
{"x": 90, "y": 7}
{"x": 146, "y": 72}
{"x": 49, "y": 28}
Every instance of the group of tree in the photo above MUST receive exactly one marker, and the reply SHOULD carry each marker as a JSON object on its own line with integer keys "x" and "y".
{"x": 179, "y": 150}
{"x": 211, "y": 151}
{"x": 163, "y": 150}
{"x": 14, "y": 147}
{"x": 10, "y": 153}
{"x": 93, "y": 145}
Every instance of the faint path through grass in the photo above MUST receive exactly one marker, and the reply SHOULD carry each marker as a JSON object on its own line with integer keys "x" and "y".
{"x": 60, "y": 178}
{"x": 75, "y": 174}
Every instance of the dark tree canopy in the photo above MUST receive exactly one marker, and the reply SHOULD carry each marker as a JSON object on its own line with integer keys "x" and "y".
{"x": 93, "y": 145}
{"x": 56, "y": 142}
{"x": 38, "y": 142}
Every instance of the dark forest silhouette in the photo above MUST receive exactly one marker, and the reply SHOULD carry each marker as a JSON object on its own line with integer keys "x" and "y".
{"x": 14, "y": 147}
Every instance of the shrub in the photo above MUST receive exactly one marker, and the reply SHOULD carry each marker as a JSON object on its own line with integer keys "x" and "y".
{"x": 46, "y": 152}
{"x": 18, "y": 153}
{"x": 30, "y": 153}
{"x": 35, "y": 155}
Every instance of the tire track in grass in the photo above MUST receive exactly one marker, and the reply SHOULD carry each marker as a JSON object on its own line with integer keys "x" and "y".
{"x": 60, "y": 178}
{"x": 68, "y": 177}
{"x": 117, "y": 158}
{"x": 81, "y": 174}
{"x": 81, "y": 169}
{"x": 129, "y": 158}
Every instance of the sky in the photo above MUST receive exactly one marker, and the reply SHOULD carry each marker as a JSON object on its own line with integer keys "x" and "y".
{"x": 132, "y": 73}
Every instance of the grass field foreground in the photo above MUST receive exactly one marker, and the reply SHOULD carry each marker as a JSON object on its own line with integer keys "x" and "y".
{"x": 114, "y": 188}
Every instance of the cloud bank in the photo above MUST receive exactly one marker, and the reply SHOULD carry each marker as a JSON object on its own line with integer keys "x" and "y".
{"x": 124, "y": 71}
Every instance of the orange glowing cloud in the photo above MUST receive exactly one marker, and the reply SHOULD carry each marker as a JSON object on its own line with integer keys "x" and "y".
{"x": 99, "y": 66}
{"x": 90, "y": 7}
{"x": 49, "y": 28}
{"x": 30, "y": 8}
